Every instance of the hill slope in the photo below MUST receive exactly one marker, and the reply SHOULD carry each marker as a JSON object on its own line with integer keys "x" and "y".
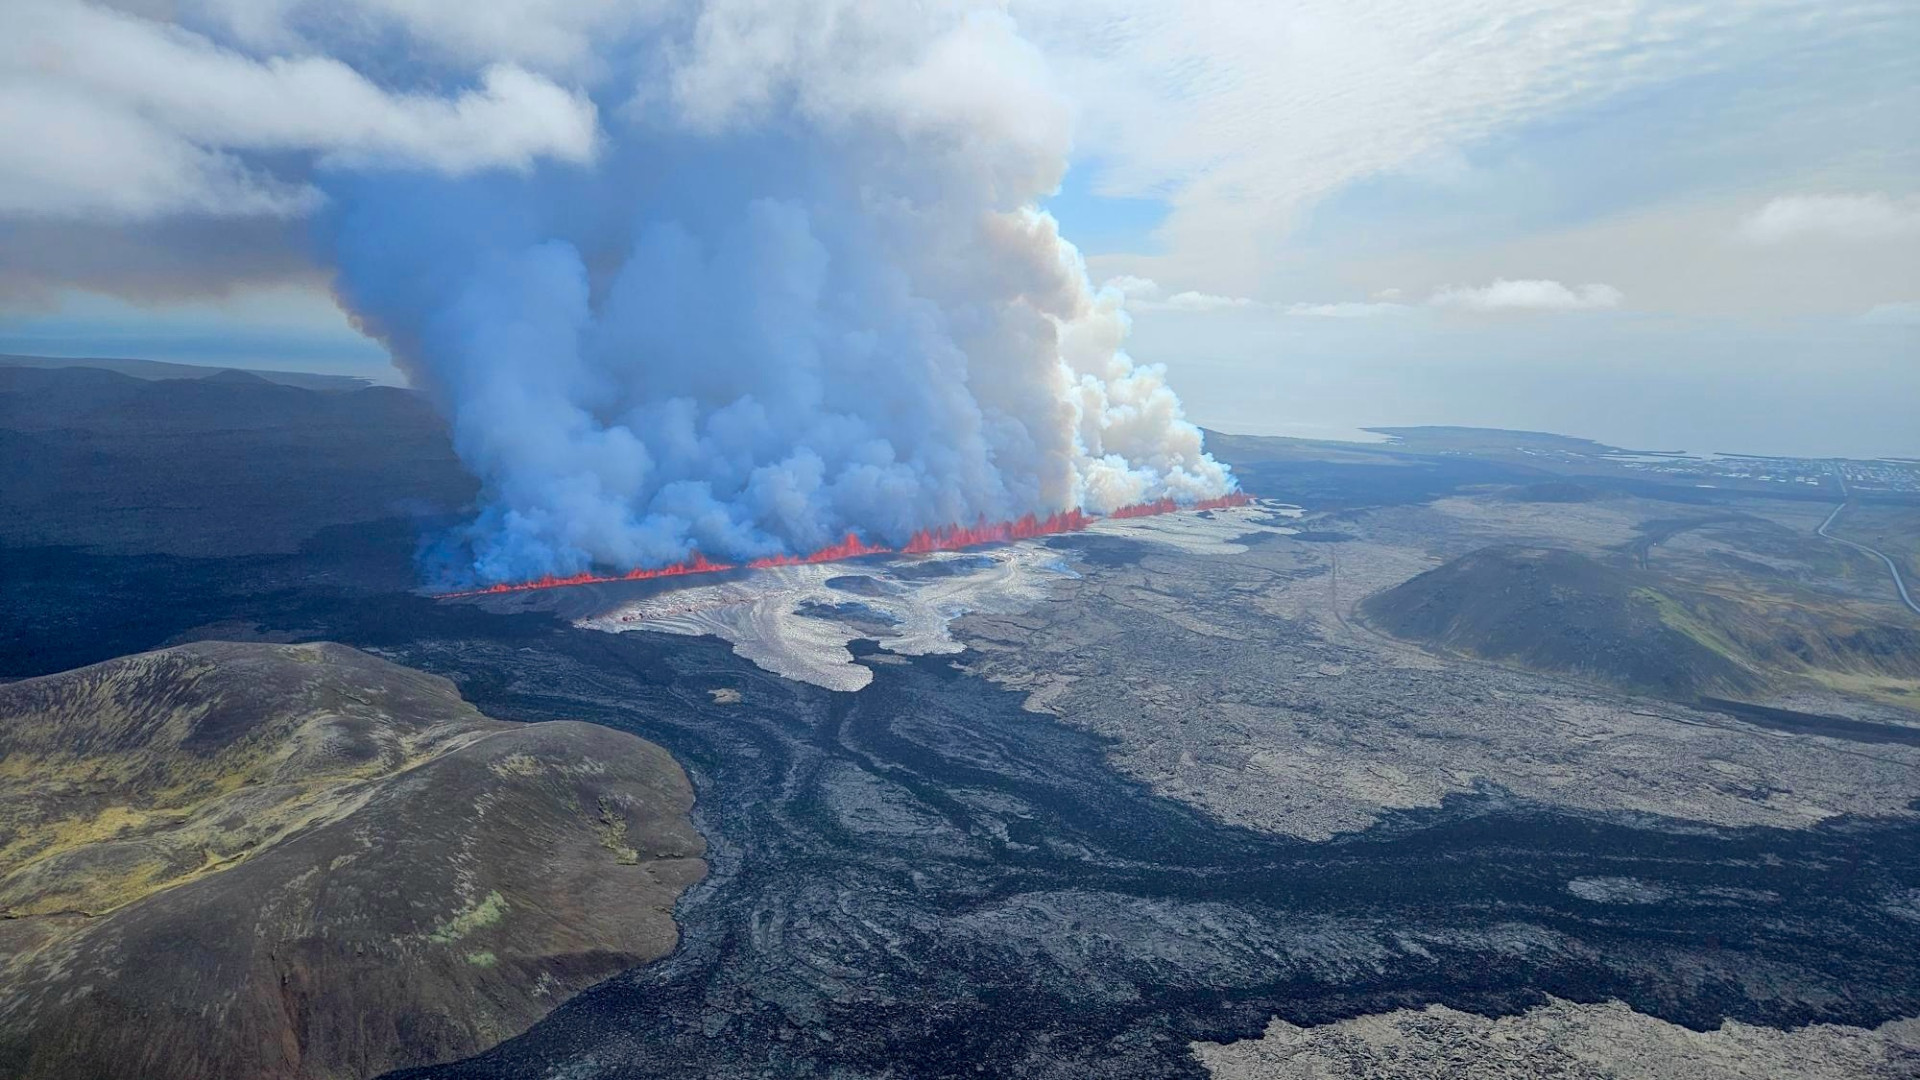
{"x": 218, "y": 466}
{"x": 238, "y": 860}
{"x": 1555, "y": 610}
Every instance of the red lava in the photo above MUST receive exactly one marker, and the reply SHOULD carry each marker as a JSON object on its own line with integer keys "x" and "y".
{"x": 945, "y": 538}
{"x": 850, "y": 547}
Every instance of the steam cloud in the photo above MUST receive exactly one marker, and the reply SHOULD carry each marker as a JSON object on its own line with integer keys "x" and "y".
{"x": 802, "y": 289}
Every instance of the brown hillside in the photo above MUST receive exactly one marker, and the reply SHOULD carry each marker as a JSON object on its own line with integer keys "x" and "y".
{"x": 242, "y": 860}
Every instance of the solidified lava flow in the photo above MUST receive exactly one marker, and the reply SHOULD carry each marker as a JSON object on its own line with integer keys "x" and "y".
{"x": 945, "y": 538}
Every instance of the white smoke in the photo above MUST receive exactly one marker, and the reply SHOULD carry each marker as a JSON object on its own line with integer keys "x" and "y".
{"x": 727, "y": 276}
{"x": 828, "y": 303}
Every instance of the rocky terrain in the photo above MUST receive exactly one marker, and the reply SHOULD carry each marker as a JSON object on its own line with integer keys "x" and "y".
{"x": 940, "y": 873}
{"x": 1244, "y": 683}
{"x": 1561, "y": 1039}
{"x": 923, "y": 878}
{"x": 225, "y": 860}
{"x": 1081, "y": 805}
{"x": 799, "y": 621}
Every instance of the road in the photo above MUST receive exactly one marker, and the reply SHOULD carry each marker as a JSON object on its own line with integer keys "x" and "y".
{"x": 1892, "y": 567}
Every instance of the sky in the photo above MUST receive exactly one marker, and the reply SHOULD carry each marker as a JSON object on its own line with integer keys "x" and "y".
{"x": 1661, "y": 225}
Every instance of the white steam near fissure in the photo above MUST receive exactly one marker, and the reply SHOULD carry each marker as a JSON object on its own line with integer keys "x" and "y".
{"x": 802, "y": 290}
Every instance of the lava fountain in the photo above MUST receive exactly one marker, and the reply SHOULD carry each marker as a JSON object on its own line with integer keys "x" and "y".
{"x": 924, "y": 542}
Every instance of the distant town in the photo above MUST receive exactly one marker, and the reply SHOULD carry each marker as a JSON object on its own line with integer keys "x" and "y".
{"x": 1889, "y": 475}
{"x": 1562, "y": 453}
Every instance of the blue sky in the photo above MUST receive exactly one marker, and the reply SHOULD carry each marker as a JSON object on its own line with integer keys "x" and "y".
{"x": 1335, "y": 235}
{"x": 1104, "y": 224}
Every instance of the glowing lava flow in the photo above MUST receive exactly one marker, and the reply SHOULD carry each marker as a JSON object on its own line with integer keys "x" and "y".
{"x": 699, "y": 564}
{"x": 1140, "y": 510}
{"x": 954, "y": 537}
{"x": 850, "y": 547}
{"x": 945, "y": 538}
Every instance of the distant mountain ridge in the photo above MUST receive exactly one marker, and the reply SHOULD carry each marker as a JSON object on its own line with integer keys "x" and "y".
{"x": 226, "y": 463}
{"x": 162, "y": 369}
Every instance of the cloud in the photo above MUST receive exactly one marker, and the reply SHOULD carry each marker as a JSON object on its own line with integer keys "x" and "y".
{"x": 1899, "y": 314}
{"x": 151, "y": 263}
{"x": 1146, "y": 294}
{"x": 1133, "y": 288}
{"x": 551, "y": 36}
{"x": 108, "y": 115}
{"x": 1349, "y": 309}
{"x": 1867, "y": 218}
{"x": 1246, "y": 116}
{"x": 1199, "y": 301}
{"x": 1532, "y": 295}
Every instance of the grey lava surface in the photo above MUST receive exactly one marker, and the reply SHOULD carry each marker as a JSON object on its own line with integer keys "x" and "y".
{"x": 923, "y": 879}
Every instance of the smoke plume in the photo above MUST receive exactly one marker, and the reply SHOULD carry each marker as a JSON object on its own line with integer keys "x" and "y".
{"x": 800, "y": 291}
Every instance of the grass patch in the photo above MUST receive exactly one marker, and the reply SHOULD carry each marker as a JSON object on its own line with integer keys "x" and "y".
{"x": 612, "y": 828}
{"x": 1675, "y": 615}
{"x": 1888, "y": 688}
{"x": 491, "y": 909}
